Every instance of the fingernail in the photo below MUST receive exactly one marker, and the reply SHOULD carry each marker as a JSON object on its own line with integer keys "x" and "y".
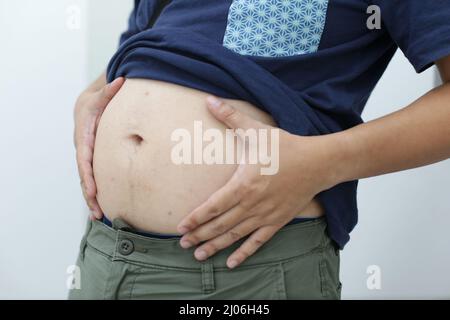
{"x": 185, "y": 244}
{"x": 214, "y": 102}
{"x": 183, "y": 229}
{"x": 201, "y": 254}
{"x": 110, "y": 84}
{"x": 232, "y": 264}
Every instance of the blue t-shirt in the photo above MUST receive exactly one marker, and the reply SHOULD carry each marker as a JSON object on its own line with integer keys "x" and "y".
{"x": 311, "y": 64}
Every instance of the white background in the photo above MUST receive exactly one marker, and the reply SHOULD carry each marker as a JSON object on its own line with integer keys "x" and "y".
{"x": 404, "y": 217}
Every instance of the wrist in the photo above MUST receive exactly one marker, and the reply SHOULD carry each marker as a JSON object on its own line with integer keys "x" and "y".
{"x": 342, "y": 153}
{"x": 331, "y": 159}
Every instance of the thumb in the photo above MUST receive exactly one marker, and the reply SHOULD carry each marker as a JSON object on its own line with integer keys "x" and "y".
{"x": 109, "y": 91}
{"x": 227, "y": 114}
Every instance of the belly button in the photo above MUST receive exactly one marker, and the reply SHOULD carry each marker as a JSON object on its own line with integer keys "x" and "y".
{"x": 136, "y": 139}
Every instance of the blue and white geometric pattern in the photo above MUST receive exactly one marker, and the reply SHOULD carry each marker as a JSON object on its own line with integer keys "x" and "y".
{"x": 275, "y": 28}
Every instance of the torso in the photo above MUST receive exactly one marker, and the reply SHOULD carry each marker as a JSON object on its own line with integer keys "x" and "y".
{"x": 135, "y": 175}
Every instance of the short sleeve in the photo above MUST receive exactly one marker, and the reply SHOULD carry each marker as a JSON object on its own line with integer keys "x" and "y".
{"x": 420, "y": 28}
{"x": 132, "y": 24}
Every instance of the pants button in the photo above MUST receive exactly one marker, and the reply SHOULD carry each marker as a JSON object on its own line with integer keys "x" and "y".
{"x": 126, "y": 247}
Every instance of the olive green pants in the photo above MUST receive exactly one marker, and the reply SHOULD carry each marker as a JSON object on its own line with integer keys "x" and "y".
{"x": 299, "y": 262}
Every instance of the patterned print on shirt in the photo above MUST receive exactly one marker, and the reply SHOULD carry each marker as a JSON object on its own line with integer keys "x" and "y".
{"x": 275, "y": 28}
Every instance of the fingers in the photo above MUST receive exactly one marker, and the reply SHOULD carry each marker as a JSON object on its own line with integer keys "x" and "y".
{"x": 87, "y": 117}
{"x": 84, "y": 161}
{"x": 85, "y": 150}
{"x": 97, "y": 212}
{"x": 89, "y": 194}
{"x": 251, "y": 245}
{"x": 92, "y": 203}
{"x": 221, "y": 201}
{"x": 109, "y": 91}
{"x": 214, "y": 228}
{"x": 88, "y": 186}
{"x": 221, "y": 242}
{"x": 227, "y": 114}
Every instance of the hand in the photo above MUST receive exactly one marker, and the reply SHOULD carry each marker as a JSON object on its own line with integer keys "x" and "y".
{"x": 87, "y": 113}
{"x": 254, "y": 204}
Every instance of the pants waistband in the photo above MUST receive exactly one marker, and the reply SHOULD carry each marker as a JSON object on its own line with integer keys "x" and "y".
{"x": 109, "y": 223}
{"x": 120, "y": 243}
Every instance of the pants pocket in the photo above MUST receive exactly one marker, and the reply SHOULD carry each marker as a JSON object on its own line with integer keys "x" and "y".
{"x": 313, "y": 277}
{"x": 151, "y": 283}
{"x": 329, "y": 272}
{"x": 94, "y": 269}
{"x": 262, "y": 282}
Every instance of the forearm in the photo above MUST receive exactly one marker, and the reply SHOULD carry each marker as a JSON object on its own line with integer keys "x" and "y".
{"x": 415, "y": 136}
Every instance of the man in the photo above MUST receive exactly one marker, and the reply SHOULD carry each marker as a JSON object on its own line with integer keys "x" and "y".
{"x": 311, "y": 64}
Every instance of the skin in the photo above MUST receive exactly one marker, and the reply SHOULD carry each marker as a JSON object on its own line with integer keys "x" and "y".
{"x": 87, "y": 113}
{"x": 251, "y": 204}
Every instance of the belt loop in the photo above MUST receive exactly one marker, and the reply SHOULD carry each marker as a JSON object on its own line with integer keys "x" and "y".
{"x": 83, "y": 243}
{"x": 207, "y": 270}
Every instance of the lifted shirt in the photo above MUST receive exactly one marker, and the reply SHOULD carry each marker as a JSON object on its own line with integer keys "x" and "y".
{"x": 311, "y": 64}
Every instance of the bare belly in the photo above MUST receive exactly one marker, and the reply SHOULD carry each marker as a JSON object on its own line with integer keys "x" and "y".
{"x": 136, "y": 177}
